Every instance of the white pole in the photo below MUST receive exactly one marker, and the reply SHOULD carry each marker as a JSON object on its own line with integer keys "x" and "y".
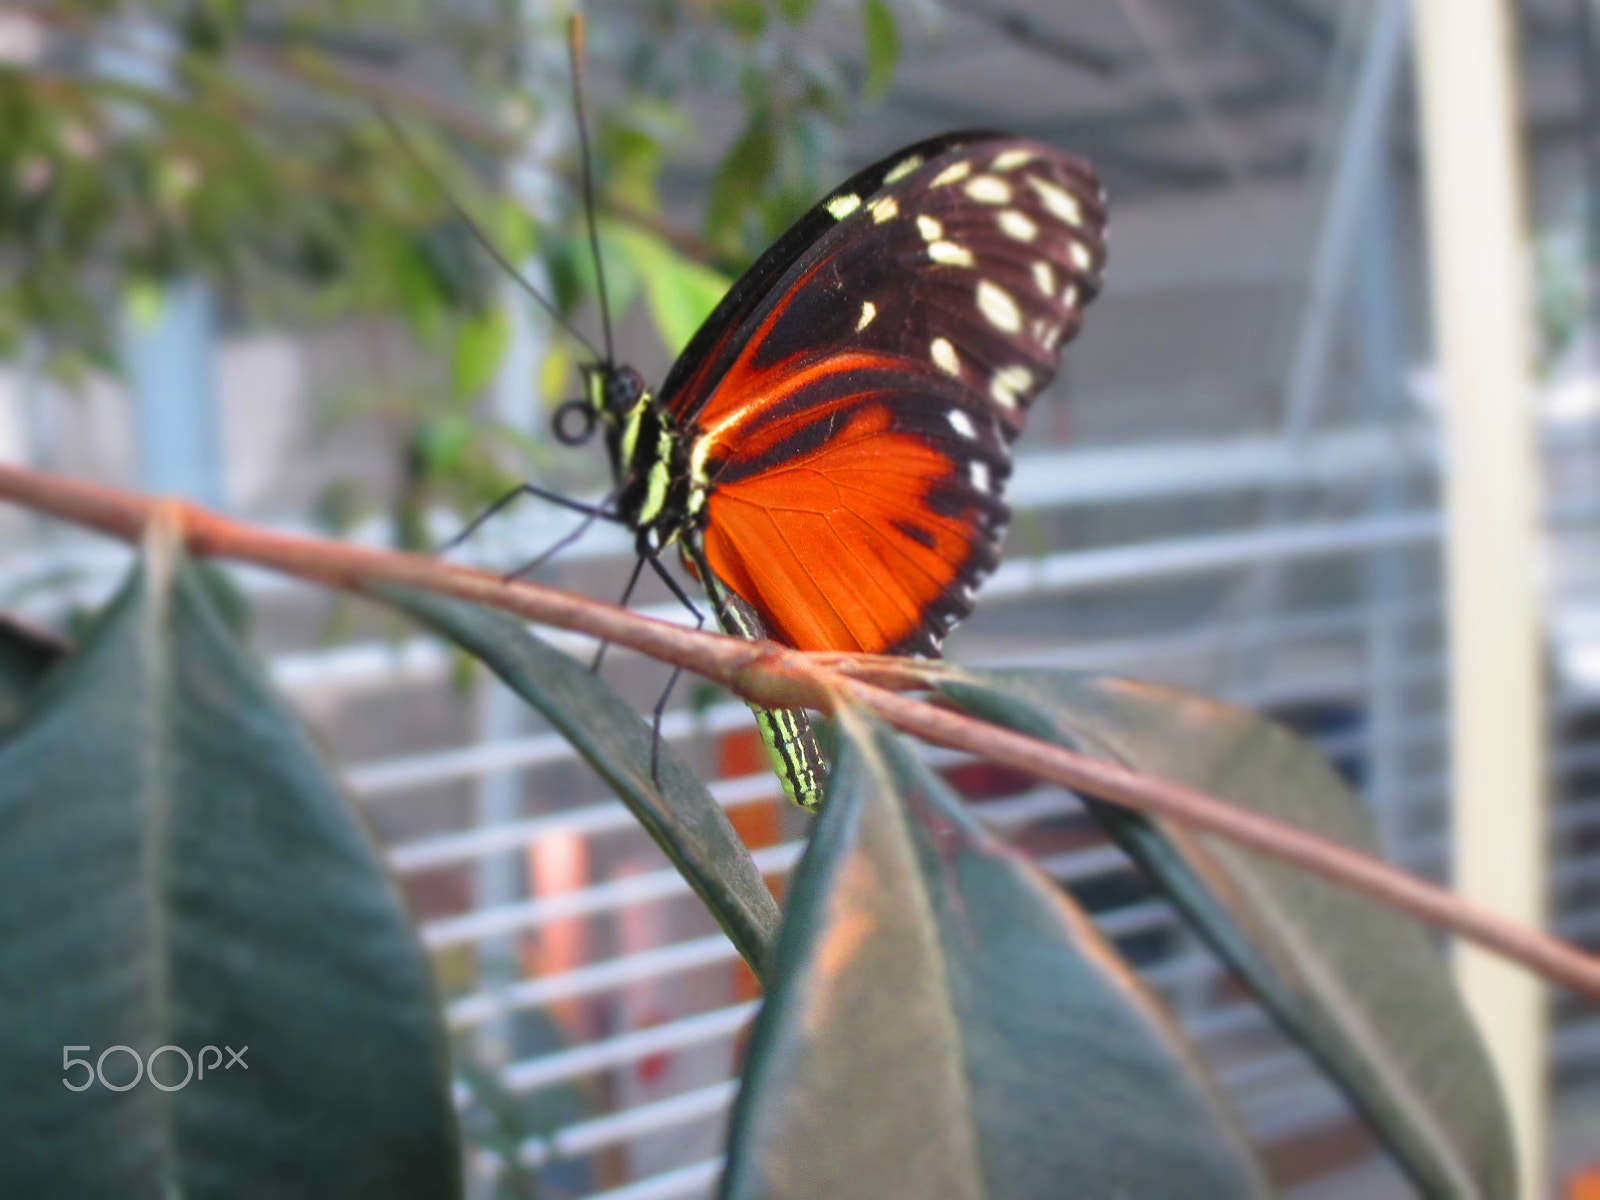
{"x": 1482, "y": 327}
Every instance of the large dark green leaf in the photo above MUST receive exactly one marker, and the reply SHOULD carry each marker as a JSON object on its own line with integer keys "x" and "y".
{"x": 25, "y": 655}
{"x": 942, "y": 1021}
{"x": 177, "y": 869}
{"x": 678, "y": 812}
{"x": 1362, "y": 987}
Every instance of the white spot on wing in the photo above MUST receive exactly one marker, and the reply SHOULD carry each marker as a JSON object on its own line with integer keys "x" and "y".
{"x": 950, "y": 254}
{"x": 842, "y": 206}
{"x": 989, "y": 189}
{"x": 1081, "y": 258}
{"x": 1044, "y": 277}
{"x": 1010, "y": 160}
{"x": 869, "y": 310}
{"x": 903, "y": 168}
{"x": 962, "y": 424}
{"x": 1059, "y": 201}
{"x": 944, "y": 356}
{"x": 979, "y": 471}
{"x": 954, "y": 172}
{"x": 1017, "y": 225}
{"x": 1070, "y": 296}
{"x": 1011, "y": 382}
{"x": 930, "y": 229}
{"x": 998, "y": 308}
{"x": 885, "y": 209}
{"x": 1047, "y": 333}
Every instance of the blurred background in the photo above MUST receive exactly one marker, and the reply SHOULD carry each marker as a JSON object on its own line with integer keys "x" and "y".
{"x": 223, "y": 276}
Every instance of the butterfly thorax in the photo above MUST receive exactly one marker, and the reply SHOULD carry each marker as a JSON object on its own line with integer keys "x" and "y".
{"x": 659, "y": 494}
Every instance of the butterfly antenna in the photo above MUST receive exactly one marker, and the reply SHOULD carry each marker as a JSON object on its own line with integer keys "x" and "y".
{"x": 482, "y": 238}
{"x": 575, "y": 47}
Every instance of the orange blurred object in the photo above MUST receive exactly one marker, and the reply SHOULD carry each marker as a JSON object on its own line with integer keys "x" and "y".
{"x": 1585, "y": 1185}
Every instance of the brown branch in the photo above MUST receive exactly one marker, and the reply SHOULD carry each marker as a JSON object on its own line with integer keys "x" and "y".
{"x": 771, "y": 674}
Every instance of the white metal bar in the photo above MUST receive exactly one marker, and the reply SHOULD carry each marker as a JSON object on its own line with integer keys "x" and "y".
{"x": 1478, "y": 250}
{"x": 585, "y": 1137}
{"x": 546, "y": 1069}
{"x": 441, "y": 850}
{"x": 672, "y": 1185}
{"x": 443, "y": 766}
{"x": 593, "y": 977}
{"x": 1352, "y": 456}
{"x": 1361, "y": 146}
{"x": 1141, "y": 561}
{"x": 635, "y": 889}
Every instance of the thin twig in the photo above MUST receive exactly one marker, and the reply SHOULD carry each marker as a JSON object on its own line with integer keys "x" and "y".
{"x": 774, "y": 675}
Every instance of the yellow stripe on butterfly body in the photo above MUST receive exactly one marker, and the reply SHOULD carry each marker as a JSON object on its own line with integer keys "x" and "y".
{"x": 788, "y": 734}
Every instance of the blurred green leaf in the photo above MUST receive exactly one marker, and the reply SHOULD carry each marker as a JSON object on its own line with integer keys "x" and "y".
{"x": 882, "y": 34}
{"x": 145, "y": 303}
{"x": 748, "y": 18}
{"x": 796, "y": 12}
{"x": 633, "y": 158}
{"x": 1361, "y": 986}
{"x": 199, "y": 880}
{"x": 442, "y": 443}
{"x": 26, "y": 654}
{"x": 942, "y": 1020}
{"x": 679, "y": 813}
{"x": 681, "y": 292}
{"x": 572, "y": 273}
{"x": 481, "y": 345}
{"x": 739, "y": 182}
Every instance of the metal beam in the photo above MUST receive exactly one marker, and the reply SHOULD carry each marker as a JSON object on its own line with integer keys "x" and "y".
{"x": 1482, "y": 319}
{"x": 1361, "y": 146}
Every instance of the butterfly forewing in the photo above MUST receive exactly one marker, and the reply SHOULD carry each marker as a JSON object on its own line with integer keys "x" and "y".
{"x": 852, "y": 415}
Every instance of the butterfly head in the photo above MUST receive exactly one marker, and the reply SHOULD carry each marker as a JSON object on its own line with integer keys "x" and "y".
{"x": 611, "y": 396}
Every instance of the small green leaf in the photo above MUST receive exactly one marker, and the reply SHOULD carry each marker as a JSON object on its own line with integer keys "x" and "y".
{"x": 177, "y": 869}
{"x": 740, "y": 180}
{"x": 1361, "y": 986}
{"x": 941, "y": 1020}
{"x": 681, "y": 292}
{"x": 441, "y": 445}
{"x": 145, "y": 301}
{"x": 882, "y": 34}
{"x": 796, "y": 12}
{"x": 481, "y": 345}
{"x": 747, "y": 18}
{"x": 679, "y": 813}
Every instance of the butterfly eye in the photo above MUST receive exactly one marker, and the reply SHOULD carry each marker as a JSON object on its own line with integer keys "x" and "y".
{"x": 574, "y": 423}
{"x": 624, "y": 386}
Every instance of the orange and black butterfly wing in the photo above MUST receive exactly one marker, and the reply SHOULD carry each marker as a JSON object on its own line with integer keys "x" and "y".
{"x": 851, "y": 405}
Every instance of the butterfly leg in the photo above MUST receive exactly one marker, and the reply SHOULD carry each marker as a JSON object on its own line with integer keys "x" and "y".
{"x": 560, "y": 544}
{"x": 591, "y": 511}
{"x": 666, "y": 693}
{"x": 627, "y": 594}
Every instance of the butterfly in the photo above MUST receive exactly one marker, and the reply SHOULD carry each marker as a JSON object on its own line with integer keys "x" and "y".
{"x": 830, "y": 451}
